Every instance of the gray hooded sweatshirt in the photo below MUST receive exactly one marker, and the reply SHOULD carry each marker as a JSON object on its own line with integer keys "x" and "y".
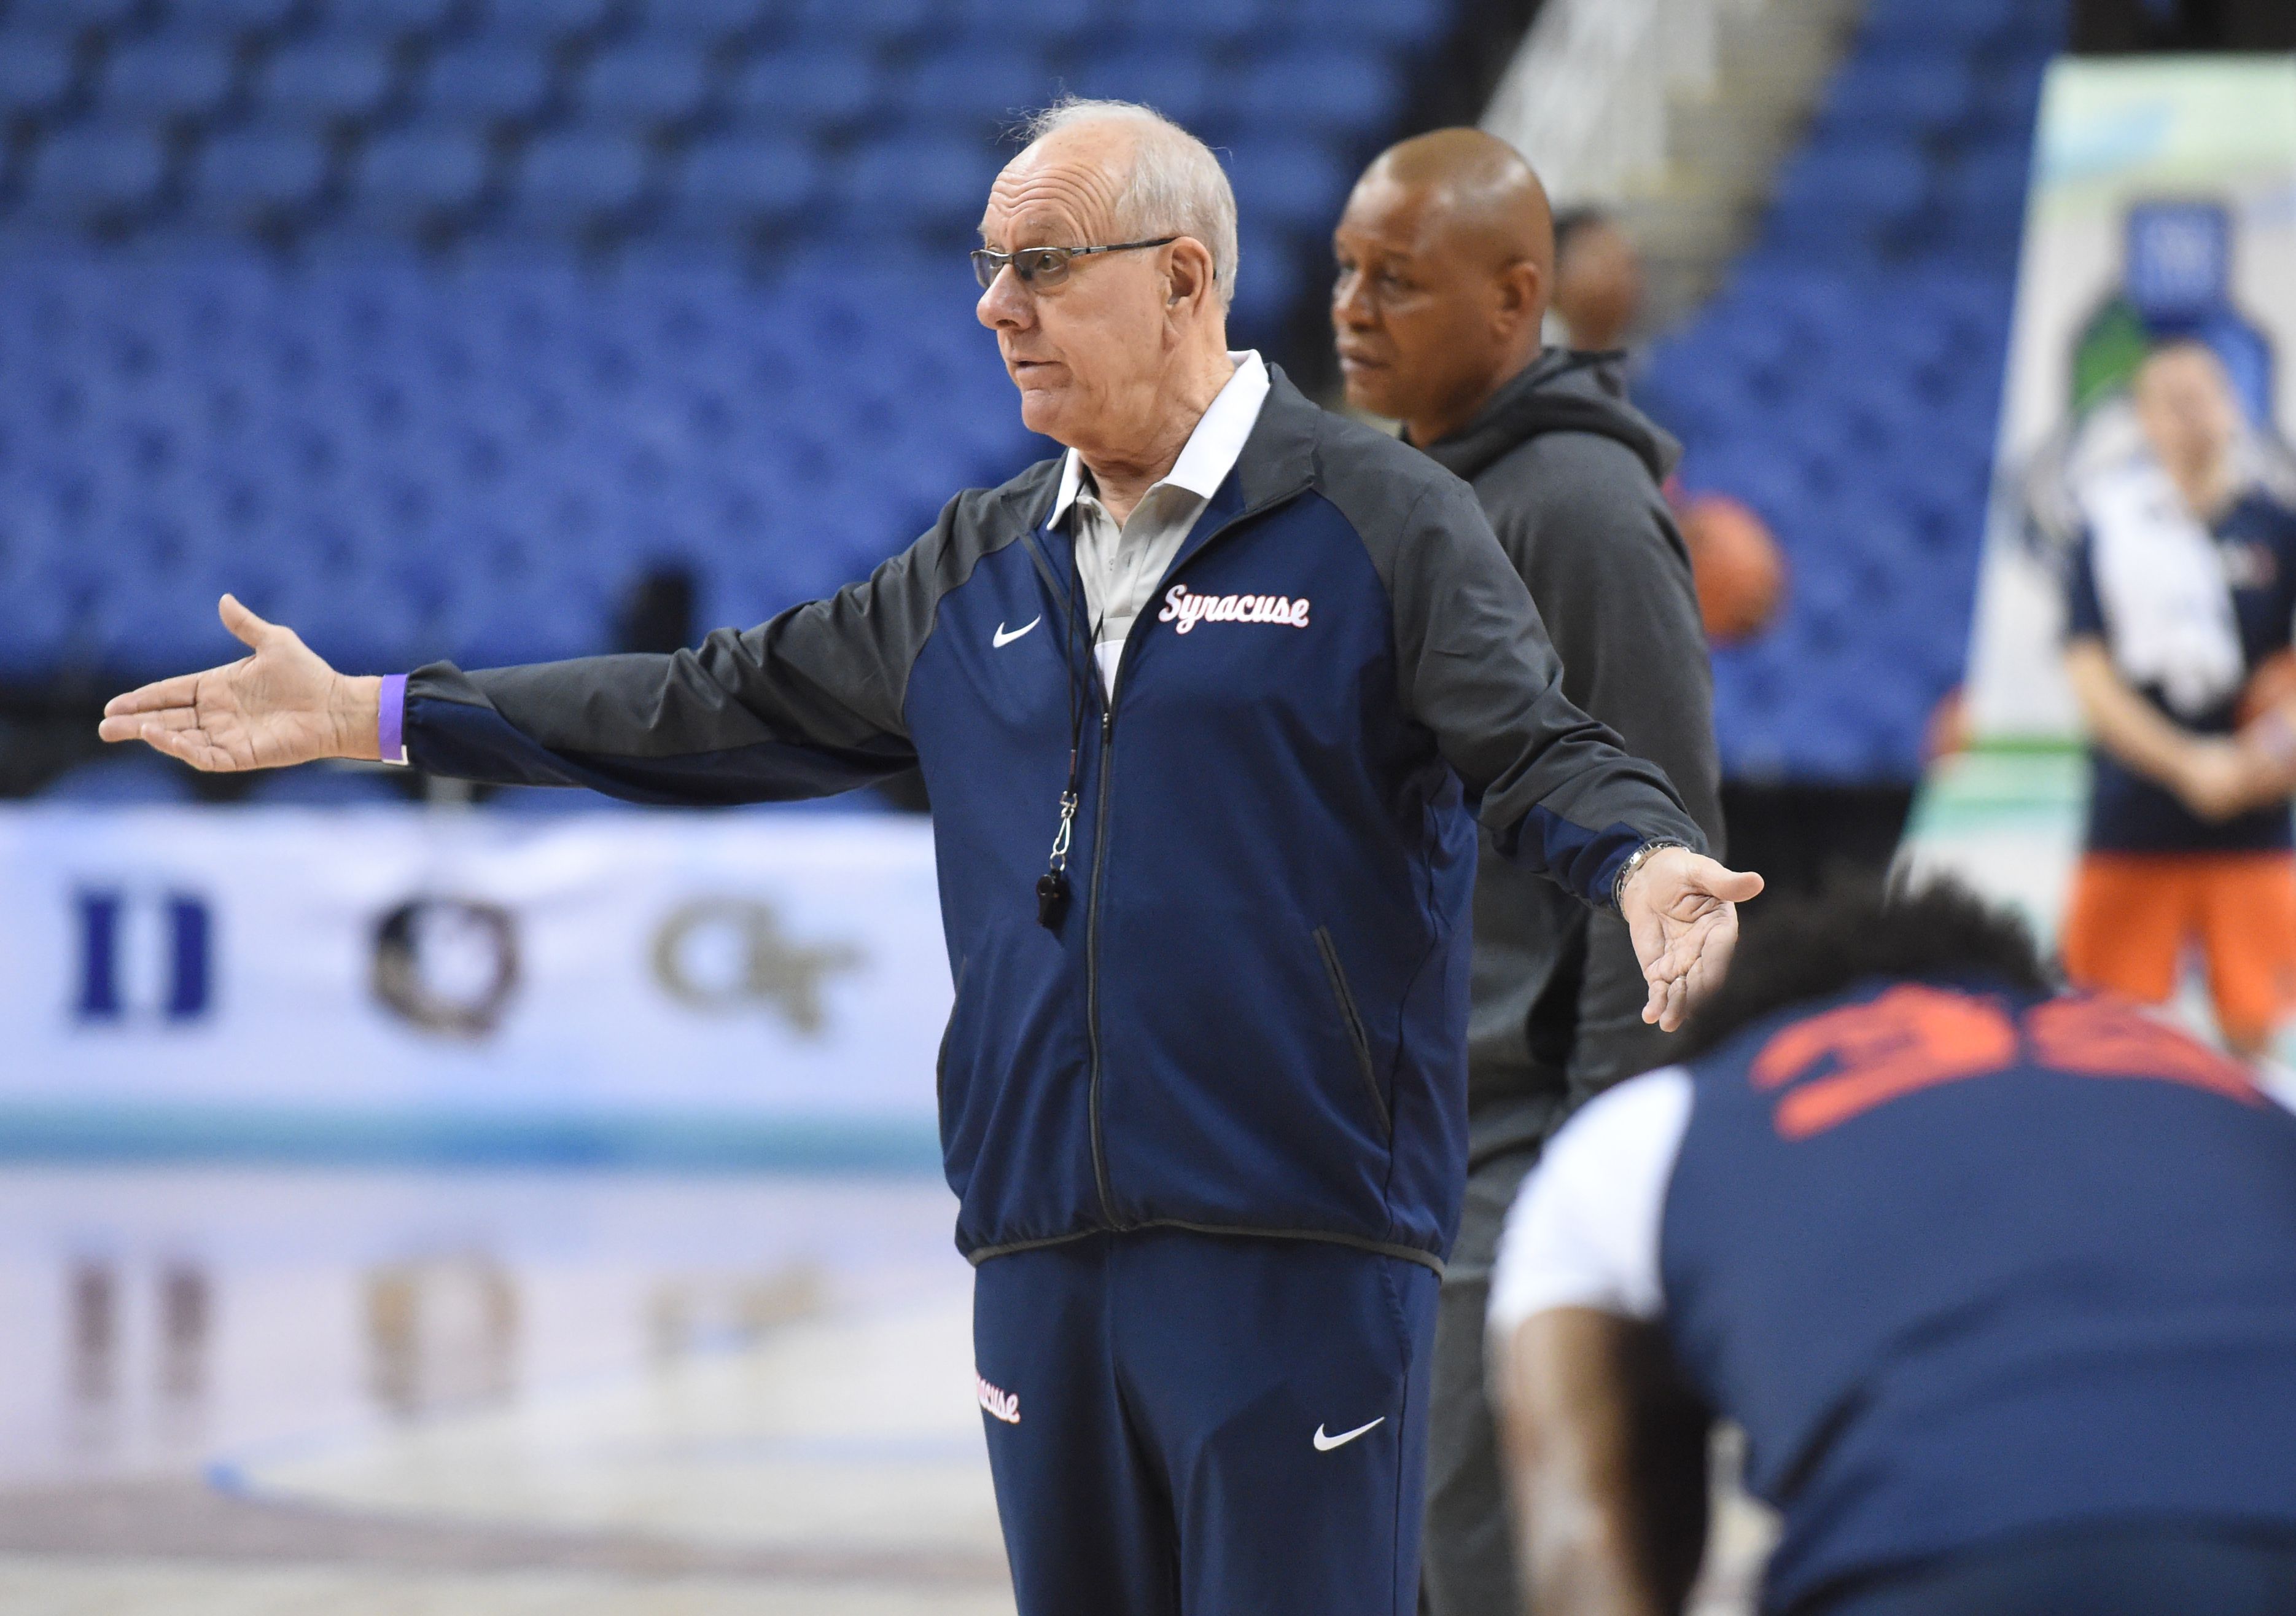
{"x": 1568, "y": 474}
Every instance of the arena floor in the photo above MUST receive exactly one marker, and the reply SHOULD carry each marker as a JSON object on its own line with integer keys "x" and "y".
{"x": 253, "y": 1390}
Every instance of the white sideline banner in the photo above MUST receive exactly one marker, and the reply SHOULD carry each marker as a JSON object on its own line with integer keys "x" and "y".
{"x": 304, "y": 973}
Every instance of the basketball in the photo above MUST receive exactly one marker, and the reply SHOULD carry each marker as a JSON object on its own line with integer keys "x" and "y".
{"x": 1740, "y": 570}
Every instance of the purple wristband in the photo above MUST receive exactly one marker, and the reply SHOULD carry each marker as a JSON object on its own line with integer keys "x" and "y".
{"x": 391, "y": 720}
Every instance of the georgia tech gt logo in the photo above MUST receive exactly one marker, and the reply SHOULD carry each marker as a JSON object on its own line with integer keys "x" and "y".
{"x": 1188, "y": 610}
{"x": 725, "y": 954}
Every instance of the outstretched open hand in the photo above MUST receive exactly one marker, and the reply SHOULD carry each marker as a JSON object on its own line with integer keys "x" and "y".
{"x": 280, "y": 706}
{"x": 1681, "y": 909}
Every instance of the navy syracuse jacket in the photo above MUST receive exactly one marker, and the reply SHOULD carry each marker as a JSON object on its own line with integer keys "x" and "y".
{"x": 1251, "y": 1018}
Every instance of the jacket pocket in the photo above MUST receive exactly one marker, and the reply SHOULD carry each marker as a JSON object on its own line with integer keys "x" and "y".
{"x": 940, "y": 1060}
{"x": 1353, "y": 1023}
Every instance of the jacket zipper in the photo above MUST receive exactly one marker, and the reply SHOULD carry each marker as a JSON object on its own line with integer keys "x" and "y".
{"x": 1092, "y": 932}
{"x": 1108, "y": 695}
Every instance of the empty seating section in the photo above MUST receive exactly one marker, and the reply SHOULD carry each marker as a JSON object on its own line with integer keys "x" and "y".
{"x": 675, "y": 81}
{"x": 475, "y": 462}
{"x": 1845, "y": 384}
{"x": 428, "y": 325}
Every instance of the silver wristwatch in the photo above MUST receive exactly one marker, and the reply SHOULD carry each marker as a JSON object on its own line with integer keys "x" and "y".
{"x": 1640, "y": 857}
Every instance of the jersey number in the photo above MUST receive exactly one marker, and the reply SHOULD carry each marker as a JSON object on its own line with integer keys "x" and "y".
{"x": 1914, "y": 1038}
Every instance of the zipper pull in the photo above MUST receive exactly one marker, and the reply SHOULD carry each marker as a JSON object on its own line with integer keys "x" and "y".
{"x": 1107, "y": 723}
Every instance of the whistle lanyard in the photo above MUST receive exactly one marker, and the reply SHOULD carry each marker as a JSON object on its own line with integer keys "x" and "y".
{"x": 1052, "y": 887}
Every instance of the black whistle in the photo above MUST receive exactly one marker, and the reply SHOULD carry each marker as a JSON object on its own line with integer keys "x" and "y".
{"x": 1052, "y": 900}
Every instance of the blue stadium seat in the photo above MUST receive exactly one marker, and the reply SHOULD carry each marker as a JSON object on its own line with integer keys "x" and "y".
{"x": 1847, "y": 196}
{"x": 1897, "y": 25}
{"x": 72, "y": 15}
{"x": 1289, "y": 184}
{"x": 140, "y": 778}
{"x": 486, "y": 80}
{"x": 1040, "y": 22}
{"x": 545, "y": 20}
{"x": 932, "y": 186}
{"x": 414, "y": 177}
{"x": 1320, "y": 89}
{"x": 1414, "y": 26}
{"x": 1228, "y": 24}
{"x": 863, "y": 20}
{"x": 173, "y": 76}
{"x": 1915, "y": 94}
{"x": 2008, "y": 108}
{"x": 321, "y": 786}
{"x": 1267, "y": 280}
{"x": 1180, "y": 84}
{"x": 87, "y": 174}
{"x": 728, "y": 185}
{"x": 329, "y": 79}
{"x": 804, "y": 89}
{"x": 578, "y": 178}
{"x": 389, "y": 18}
{"x": 36, "y": 73}
{"x": 982, "y": 86}
{"x": 1985, "y": 199}
{"x": 232, "y": 16}
{"x": 260, "y": 171}
{"x": 705, "y": 21}
{"x": 650, "y": 82}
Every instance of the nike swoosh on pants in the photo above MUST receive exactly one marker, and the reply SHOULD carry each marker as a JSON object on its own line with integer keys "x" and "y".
{"x": 1324, "y": 1444}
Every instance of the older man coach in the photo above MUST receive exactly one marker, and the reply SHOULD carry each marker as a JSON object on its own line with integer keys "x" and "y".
{"x": 1200, "y": 704}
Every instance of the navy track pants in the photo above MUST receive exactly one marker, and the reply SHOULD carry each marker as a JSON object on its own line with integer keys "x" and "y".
{"x": 1184, "y": 1424}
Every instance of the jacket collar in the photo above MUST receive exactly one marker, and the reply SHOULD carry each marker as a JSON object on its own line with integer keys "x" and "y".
{"x": 1211, "y": 449}
{"x": 1278, "y": 460}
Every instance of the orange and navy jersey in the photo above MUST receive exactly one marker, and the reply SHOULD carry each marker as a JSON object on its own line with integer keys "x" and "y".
{"x": 1965, "y": 1261}
{"x": 2130, "y": 813}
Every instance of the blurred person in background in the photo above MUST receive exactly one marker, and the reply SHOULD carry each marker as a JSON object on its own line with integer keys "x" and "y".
{"x": 1445, "y": 256}
{"x": 1977, "y": 1378}
{"x": 1241, "y": 662}
{"x": 1598, "y": 281}
{"x": 2179, "y": 597}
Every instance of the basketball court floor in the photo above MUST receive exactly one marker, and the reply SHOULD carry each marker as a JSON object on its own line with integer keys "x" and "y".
{"x": 269, "y": 1391}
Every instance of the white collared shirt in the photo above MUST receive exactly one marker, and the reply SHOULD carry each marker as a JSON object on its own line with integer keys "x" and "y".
{"x": 1120, "y": 568}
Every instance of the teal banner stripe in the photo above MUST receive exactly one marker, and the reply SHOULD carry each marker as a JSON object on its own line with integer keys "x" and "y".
{"x": 723, "y": 1143}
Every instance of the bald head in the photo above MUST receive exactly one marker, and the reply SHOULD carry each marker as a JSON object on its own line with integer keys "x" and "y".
{"x": 1475, "y": 194}
{"x": 1446, "y": 257}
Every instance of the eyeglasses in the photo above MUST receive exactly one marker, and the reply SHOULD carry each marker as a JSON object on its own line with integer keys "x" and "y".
{"x": 1043, "y": 267}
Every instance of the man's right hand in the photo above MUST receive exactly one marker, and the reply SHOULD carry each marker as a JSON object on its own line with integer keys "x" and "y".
{"x": 282, "y": 705}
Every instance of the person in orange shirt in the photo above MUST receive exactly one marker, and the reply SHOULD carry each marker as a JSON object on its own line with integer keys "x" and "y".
{"x": 2182, "y": 587}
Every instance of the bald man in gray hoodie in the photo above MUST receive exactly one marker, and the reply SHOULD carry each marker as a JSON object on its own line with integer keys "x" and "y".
{"x": 1446, "y": 257}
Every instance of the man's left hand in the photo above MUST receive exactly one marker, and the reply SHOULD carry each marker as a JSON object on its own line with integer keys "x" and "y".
{"x": 1681, "y": 908}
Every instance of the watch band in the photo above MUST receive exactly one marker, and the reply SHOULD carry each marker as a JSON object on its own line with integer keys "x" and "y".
{"x": 1640, "y": 857}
